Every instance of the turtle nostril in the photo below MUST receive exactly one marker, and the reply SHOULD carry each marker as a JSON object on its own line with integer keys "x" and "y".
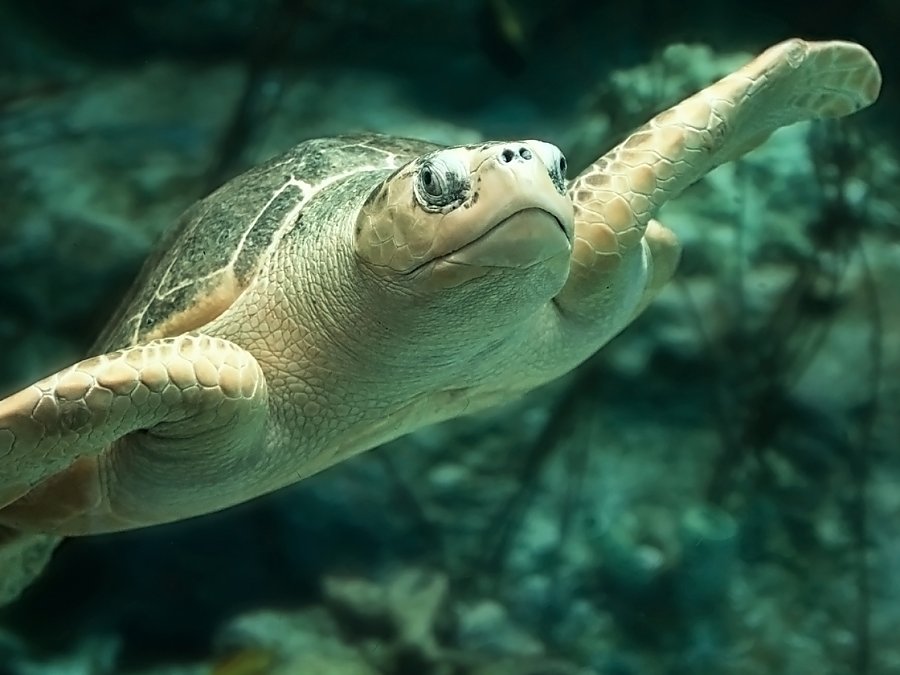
{"x": 508, "y": 155}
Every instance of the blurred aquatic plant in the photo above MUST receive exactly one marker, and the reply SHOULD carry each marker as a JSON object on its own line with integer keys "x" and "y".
{"x": 787, "y": 463}
{"x": 776, "y": 448}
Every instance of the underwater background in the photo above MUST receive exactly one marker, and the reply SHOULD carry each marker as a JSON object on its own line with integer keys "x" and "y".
{"x": 717, "y": 491}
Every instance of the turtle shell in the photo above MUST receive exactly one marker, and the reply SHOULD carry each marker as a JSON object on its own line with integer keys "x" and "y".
{"x": 210, "y": 255}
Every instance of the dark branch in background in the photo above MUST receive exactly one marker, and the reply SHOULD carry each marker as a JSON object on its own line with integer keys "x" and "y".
{"x": 845, "y": 156}
{"x": 277, "y": 25}
{"x": 860, "y": 468}
{"x": 408, "y": 503}
{"x": 577, "y": 460}
{"x": 563, "y": 420}
{"x": 757, "y": 365}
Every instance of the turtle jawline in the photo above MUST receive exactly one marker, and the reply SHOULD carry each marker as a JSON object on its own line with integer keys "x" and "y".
{"x": 484, "y": 234}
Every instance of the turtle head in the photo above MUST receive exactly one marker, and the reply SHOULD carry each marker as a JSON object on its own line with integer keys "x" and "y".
{"x": 457, "y": 215}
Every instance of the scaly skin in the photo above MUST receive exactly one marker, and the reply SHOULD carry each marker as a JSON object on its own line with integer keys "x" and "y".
{"x": 616, "y": 197}
{"x": 85, "y": 421}
{"x": 434, "y": 309}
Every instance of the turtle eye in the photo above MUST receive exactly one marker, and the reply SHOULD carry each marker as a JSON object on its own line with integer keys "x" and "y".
{"x": 430, "y": 184}
{"x": 441, "y": 184}
{"x": 555, "y": 162}
{"x": 557, "y": 169}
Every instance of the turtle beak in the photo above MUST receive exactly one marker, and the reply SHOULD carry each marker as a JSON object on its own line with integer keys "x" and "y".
{"x": 531, "y": 220}
{"x": 527, "y": 237}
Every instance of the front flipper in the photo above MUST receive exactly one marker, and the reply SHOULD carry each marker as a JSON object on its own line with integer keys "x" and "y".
{"x": 616, "y": 197}
{"x": 148, "y": 434}
{"x": 664, "y": 253}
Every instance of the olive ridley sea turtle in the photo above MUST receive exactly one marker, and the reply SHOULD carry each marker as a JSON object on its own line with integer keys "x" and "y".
{"x": 357, "y": 288}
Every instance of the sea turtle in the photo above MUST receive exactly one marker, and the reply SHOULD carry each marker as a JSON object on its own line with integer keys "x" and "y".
{"x": 356, "y": 288}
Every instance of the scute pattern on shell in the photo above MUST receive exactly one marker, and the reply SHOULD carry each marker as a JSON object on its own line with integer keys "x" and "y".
{"x": 215, "y": 248}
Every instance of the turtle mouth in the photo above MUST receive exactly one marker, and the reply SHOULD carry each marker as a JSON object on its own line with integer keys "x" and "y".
{"x": 525, "y": 238}
{"x": 520, "y": 240}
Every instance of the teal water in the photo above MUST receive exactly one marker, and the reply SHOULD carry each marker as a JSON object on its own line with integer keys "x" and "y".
{"x": 713, "y": 492}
